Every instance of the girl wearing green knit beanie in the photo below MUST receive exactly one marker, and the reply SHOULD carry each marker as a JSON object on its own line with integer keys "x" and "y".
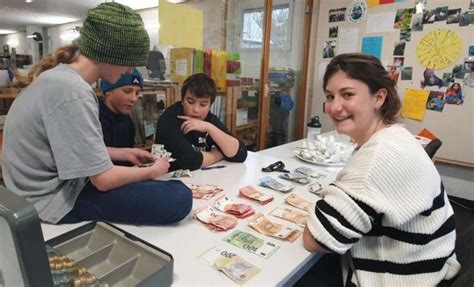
{"x": 54, "y": 154}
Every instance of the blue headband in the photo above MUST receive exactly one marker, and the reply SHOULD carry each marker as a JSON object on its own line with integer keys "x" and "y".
{"x": 135, "y": 78}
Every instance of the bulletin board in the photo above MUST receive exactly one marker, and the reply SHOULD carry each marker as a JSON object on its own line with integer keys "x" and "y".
{"x": 439, "y": 39}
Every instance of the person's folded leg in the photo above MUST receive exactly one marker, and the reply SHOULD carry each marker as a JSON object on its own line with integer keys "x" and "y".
{"x": 147, "y": 202}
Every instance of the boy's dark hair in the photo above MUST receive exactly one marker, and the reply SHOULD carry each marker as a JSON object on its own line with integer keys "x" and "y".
{"x": 201, "y": 86}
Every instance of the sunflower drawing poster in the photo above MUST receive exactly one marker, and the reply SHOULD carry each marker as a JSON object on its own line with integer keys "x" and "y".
{"x": 439, "y": 49}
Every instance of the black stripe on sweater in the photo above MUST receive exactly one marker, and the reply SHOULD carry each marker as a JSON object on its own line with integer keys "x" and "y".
{"x": 329, "y": 210}
{"x": 438, "y": 202}
{"x": 417, "y": 267}
{"x": 376, "y": 217}
{"x": 329, "y": 228}
{"x": 413, "y": 238}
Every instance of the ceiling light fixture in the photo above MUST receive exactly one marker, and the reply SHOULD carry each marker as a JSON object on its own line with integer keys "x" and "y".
{"x": 28, "y": 1}
{"x": 4, "y": 31}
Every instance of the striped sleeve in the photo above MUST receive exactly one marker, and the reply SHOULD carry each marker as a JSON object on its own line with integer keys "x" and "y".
{"x": 338, "y": 221}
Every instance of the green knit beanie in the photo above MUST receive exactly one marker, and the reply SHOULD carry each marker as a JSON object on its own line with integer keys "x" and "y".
{"x": 113, "y": 33}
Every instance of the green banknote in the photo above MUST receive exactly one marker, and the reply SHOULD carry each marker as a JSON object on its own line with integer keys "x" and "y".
{"x": 252, "y": 243}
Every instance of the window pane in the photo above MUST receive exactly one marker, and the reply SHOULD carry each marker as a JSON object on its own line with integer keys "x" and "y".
{"x": 252, "y": 27}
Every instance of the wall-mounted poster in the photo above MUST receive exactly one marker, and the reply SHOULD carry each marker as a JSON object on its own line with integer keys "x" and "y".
{"x": 372, "y": 46}
{"x": 454, "y": 16}
{"x": 439, "y": 49}
{"x": 435, "y": 101}
{"x": 329, "y": 49}
{"x": 454, "y": 94}
{"x": 357, "y": 11}
{"x": 403, "y": 18}
{"x": 337, "y": 15}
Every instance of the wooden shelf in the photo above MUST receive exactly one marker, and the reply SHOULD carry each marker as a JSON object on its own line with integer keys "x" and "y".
{"x": 250, "y": 124}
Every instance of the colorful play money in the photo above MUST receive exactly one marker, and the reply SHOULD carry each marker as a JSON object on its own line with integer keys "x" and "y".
{"x": 252, "y": 243}
{"x": 290, "y": 214}
{"x": 252, "y": 193}
{"x": 298, "y": 202}
{"x": 270, "y": 182}
{"x": 266, "y": 227}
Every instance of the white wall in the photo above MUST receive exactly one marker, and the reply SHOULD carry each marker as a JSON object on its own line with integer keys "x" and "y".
{"x": 19, "y": 39}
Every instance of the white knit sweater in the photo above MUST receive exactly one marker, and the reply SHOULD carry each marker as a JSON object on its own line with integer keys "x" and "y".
{"x": 388, "y": 208}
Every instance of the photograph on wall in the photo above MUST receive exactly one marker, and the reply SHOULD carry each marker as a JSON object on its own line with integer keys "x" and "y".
{"x": 454, "y": 94}
{"x": 329, "y": 49}
{"x": 406, "y": 74}
{"x": 430, "y": 79}
{"x": 441, "y": 13}
{"x": 417, "y": 24}
{"x": 333, "y": 31}
{"x": 454, "y": 15}
{"x": 471, "y": 50}
{"x": 357, "y": 11}
{"x": 405, "y": 35}
{"x": 469, "y": 68}
{"x": 428, "y": 17}
{"x": 447, "y": 78}
{"x": 403, "y": 18}
{"x": 337, "y": 15}
{"x": 458, "y": 72}
{"x": 435, "y": 101}
{"x": 393, "y": 73}
{"x": 471, "y": 5}
{"x": 399, "y": 49}
{"x": 420, "y": 6}
{"x": 398, "y": 61}
{"x": 467, "y": 19}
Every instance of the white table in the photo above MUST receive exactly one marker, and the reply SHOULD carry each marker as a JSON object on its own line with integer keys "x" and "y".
{"x": 188, "y": 239}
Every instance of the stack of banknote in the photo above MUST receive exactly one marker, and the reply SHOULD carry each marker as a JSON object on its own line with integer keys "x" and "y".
{"x": 266, "y": 227}
{"x": 239, "y": 210}
{"x": 204, "y": 191}
{"x": 232, "y": 265}
{"x": 315, "y": 187}
{"x": 310, "y": 172}
{"x": 252, "y": 193}
{"x": 182, "y": 173}
{"x": 295, "y": 176}
{"x": 159, "y": 151}
{"x": 213, "y": 220}
{"x": 290, "y": 214}
{"x": 270, "y": 182}
{"x": 298, "y": 202}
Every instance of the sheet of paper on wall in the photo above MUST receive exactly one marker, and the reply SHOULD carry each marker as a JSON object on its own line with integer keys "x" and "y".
{"x": 348, "y": 39}
{"x": 414, "y": 103}
{"x": 372, "y": 3}
{"x": 380, "y": 22}
{"x": 372, "y": 46}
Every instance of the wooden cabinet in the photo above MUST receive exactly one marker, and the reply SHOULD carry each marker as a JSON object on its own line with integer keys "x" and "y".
{"x": 242, "y": 114}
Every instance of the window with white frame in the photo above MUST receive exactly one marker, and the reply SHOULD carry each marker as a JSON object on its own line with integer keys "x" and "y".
{"x": 252, "y": 27}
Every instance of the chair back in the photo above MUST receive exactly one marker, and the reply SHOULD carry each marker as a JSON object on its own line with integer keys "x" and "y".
{"x": 432, "y": 147}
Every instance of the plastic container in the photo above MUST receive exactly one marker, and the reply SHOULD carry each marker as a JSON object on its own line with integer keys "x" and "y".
{"x": 314, "y": 129}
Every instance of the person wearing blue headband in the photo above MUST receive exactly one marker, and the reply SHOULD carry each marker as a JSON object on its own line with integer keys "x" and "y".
{"x": 115, "y": 108}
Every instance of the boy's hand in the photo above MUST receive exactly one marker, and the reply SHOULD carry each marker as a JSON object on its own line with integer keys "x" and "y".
{"x": 160, "y": 167}
{"x": 138, "y": 156}
{"x": 191, "y": 124}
